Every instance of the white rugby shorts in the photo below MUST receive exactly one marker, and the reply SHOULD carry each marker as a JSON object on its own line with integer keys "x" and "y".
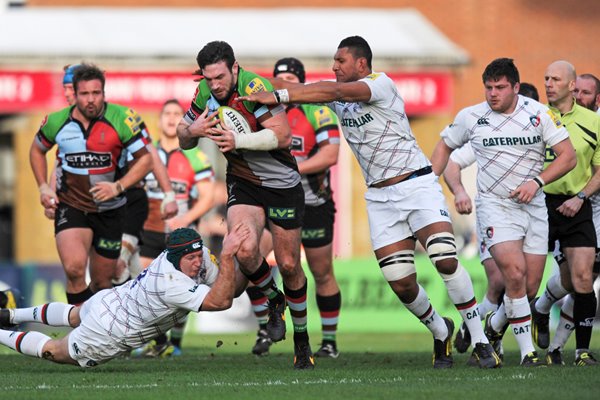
{"x": 89, "y": 343}
{"x": 396, "y": 212}
{"x": 502, "y": 220}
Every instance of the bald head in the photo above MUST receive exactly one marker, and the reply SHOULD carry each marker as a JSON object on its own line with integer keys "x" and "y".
{"x": 559, "y": 81}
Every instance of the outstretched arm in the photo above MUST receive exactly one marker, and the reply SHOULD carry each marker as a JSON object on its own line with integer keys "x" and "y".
{"x": 319, "y": 92}
{"x": 220, "y": 296}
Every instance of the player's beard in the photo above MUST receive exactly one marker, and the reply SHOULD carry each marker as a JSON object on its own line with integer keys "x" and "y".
{"x": 91, "y": 111}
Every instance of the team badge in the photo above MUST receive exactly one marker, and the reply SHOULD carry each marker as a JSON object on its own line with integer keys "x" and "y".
{"x": 489, "y": 232}
{"x": 535, "y": 120}
{"x": 255, "y": 86}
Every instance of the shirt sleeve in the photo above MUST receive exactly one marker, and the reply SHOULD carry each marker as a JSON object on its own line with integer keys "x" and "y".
{"x": 183, "y": 292}
{"x": 456, "y": 134}
{"x": 553, "y": 130}
{"x": 463, "y": 156}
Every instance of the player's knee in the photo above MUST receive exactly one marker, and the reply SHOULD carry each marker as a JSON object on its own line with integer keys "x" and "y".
{"x": 441, "y": 249}
{"x": 398, "y": 265}
{"x": 74, "y": 271}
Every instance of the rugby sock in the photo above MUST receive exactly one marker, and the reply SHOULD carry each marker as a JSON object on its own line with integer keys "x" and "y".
{"x": 53, "y": 314}
{"x": 553, "y": 292}
{"x": 329, "y": 308}
{"x": 519, "y": 317}
{"x": 422, "y": 309}
{"x": 79, "y": 298}
{"x": 565, "y": 327}
{"x": 28, "y": 343}
{"x": 485, "y": 307}
{"x": 584, "y": 310}
{"x": 263, "y": 279}
{"x": 460, "y": 291}
{"x": 161, "y": 339}
{"x": 260, "y": 306}
{"x": 296, "y": 300}
{"x": 177, "y": 334}
{"x": 499, "y": 320}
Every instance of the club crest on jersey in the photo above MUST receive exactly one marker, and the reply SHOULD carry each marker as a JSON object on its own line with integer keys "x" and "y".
{"x": 255, "y": 86}
{"x": 535, "y": 120}
{"x": 489, "y": 232}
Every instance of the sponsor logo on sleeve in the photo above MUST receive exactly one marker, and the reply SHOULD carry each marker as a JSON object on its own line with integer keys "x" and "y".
{"x": 554, "y": 119}
{"x": 373, "y": 76}
{"x": 323, "y": 117}
{"x": 255, "y": 86}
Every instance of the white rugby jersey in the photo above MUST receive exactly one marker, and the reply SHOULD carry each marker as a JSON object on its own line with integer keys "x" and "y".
{"x": 510, "y": 149}
{"x": 378, "y": 132}
{"x": 155, "y": 301}
{"x": 463, "y": 156}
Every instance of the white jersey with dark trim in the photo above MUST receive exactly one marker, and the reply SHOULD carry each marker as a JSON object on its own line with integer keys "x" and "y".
{"x": 378, "y": 132}
{"x": 155, "y": 301}
{"x": 510, "y": 149}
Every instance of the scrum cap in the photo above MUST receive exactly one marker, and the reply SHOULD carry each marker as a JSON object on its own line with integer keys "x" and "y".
{"x": 69, "y": 71}
{"x": 182, "y": 241}
{"x": 291, "y": 65}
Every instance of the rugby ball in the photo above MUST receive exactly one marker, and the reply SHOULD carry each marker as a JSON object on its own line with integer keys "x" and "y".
{"x": 233, "y": 120}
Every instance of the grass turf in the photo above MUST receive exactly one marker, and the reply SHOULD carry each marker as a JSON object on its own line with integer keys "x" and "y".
{"x": 371, "y": 366}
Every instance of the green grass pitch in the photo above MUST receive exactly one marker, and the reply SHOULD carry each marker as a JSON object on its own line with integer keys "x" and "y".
{"x": 371, "y": 366}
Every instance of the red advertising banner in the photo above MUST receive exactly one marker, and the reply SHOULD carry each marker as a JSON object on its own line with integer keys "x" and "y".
{"x": 23, "y": 91}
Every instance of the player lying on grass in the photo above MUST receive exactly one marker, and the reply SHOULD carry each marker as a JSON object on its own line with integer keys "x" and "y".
{"x": 115, "y": 321}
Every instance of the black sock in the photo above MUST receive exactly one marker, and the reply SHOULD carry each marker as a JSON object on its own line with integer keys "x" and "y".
{"x": 78, "y": 298}
{"x": 161, "y": 339}
{"x": 584, "y": 310}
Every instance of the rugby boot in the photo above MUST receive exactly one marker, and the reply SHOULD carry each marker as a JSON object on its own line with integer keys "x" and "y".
{"x": 462, "y": 341}
{"x": 540, "y": 331}
{"x": 442, "y": 349}
{"x": 276, "y": 322}
{"x": 532, "y": 360}
{"x": 263, "y": 343}
{"x": 303, "y": 358}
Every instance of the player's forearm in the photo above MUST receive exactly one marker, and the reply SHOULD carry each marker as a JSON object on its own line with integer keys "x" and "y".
{"x": 452, "y": 176}
{"x": 440, "y": 156}
{"x": 186, "y": 139}
{"x": 326, "y": 157}
{"x": 593, "y": 185}
{"x": 39, "y": 166}
{"x": 160, "y": 170}
{"x": 137, "y": 171}
{"x": 220, "y": 296}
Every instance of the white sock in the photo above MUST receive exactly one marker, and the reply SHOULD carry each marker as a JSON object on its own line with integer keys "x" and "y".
{"x": 499, "y": 319}
{"x": 28, "y": 343}
{"x": 485, "y": 307}
{"x": 53, "y": 314}
{"x": 460, "y": 291}
{"x": 553, "y": 292}
{"x": 519, "y": 316}
{"x": 566, "y": 325}
{"x": 422, "y": 309}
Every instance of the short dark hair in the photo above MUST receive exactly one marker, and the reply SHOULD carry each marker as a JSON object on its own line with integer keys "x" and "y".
{"x": 528, "y": 90}
{"x": 87, "y": 72}
{"x": 215, "y": 52}
{"x": 592, "y": 77}
{"x": 501, "y": 67}
{"x": 171, "y": 101}
{"x": 358, "y": 47}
